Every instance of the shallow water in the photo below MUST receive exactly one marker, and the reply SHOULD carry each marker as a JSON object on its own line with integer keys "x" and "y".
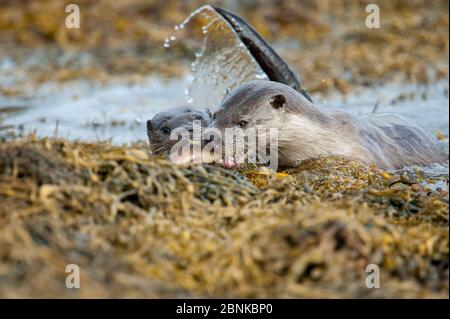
{"x": 82, "y": 110}
{"x": 426, "y": 106}
{"x": 118, "y": 110}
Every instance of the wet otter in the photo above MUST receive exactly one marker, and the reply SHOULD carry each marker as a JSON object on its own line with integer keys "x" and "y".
{"x": 266, "y": 57}
{"x": 306, "y": 131}
{"x": 269, "y": 61}
{"x": 162, "y": 124}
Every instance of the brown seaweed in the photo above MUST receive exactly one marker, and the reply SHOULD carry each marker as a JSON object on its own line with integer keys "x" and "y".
{"x": 141, "y": 226}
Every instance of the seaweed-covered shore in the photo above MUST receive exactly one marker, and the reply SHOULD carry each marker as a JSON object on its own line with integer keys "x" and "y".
{"x": 140, "y": 226}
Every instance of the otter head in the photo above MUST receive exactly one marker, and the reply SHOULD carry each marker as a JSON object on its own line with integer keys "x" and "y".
{"x": 160, "y": 127}
{"x": 261, "y": 107}
{"x": 253, "y": 103}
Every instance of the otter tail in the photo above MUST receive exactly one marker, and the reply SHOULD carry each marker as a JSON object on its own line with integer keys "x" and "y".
{"x": 270, "y": 62}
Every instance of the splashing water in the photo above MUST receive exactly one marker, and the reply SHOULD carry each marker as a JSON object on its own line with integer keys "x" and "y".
{"x": 181, "y": 26}
{"x": 221, "y": 65}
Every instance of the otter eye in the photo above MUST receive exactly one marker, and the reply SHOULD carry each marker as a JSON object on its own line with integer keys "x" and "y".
{"x": 214, "y": 117}
{"x": 165, "y": 130}
{"x": 242, "y": 124}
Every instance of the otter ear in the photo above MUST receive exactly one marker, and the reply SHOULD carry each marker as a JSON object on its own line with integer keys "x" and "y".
{"x": 277, "y": 101}
{"x": 149, "y": 125}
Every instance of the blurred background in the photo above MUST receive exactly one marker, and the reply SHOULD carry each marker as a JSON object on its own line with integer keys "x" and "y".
{"x": 103, "y": 80}
{"x": 324, "y": 39}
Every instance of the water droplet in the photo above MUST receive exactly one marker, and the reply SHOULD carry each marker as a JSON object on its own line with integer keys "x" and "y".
{"x": 167, "y": 43}
{"x": 173, "y": 38}
{"x": 260, "y": 76}
{"x": 96, "y": 123}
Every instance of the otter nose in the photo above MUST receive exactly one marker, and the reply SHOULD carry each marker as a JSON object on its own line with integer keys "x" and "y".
{"x": 149, "y": 125}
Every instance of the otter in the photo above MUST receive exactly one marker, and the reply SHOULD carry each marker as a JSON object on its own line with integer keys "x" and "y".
{"x": 162, "y": 124}
{"x": 160, "y": 127}
{"x": 307, "y": 131}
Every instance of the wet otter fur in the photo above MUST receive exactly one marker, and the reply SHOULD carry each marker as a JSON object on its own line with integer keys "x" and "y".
{"x": 306, "y": 131}
{"x": 162, "y": 124}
